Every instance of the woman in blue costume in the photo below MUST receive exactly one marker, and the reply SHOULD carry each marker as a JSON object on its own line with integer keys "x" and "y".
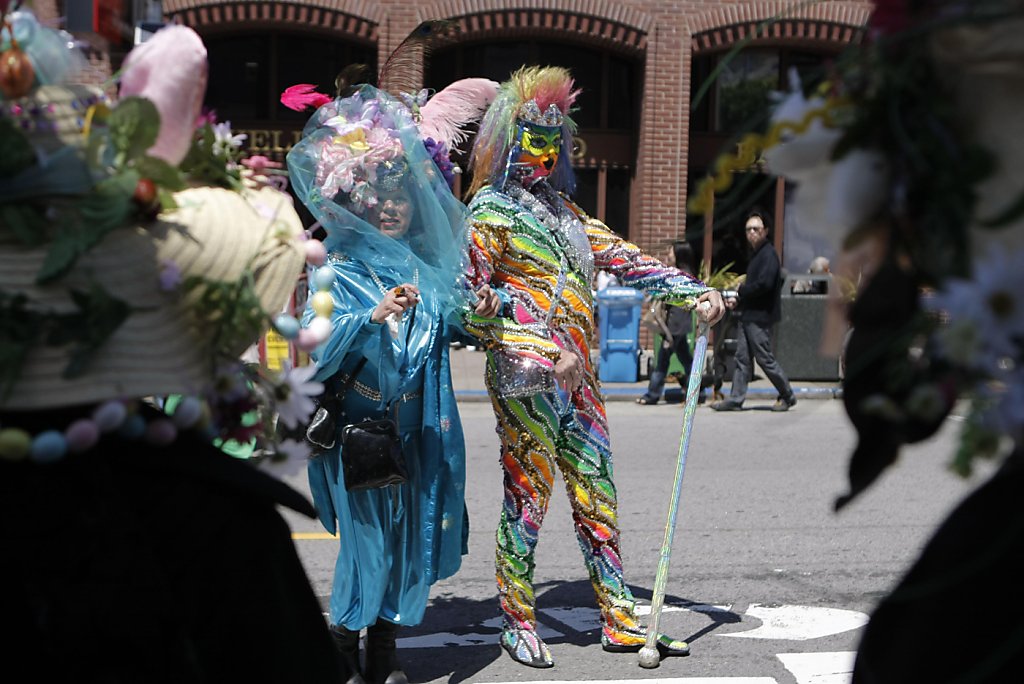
{"x": 394, "y": 241}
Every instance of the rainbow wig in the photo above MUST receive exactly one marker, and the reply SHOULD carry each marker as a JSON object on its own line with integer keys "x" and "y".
{"x": 497, "y": 141}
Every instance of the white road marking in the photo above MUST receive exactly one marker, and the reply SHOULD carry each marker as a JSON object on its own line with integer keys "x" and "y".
{"x": 668, "y": 680}
{"x": 799, "y": 623}
{"x": 584, "y": 619}
{"x": 820, "y": 668}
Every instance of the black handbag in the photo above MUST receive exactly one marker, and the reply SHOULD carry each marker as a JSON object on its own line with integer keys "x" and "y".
{"x": 371, "y": 454}
{"x": 322, "y": 430}
{"x": 371, "y": 450}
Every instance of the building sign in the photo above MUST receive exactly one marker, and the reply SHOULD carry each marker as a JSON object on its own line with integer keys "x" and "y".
{"x": 270, "y": 142}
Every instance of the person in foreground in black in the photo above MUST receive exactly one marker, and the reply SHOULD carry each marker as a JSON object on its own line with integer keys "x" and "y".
{"x": 134, "y": 563}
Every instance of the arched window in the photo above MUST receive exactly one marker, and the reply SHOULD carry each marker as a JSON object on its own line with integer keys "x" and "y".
{"x": 249, "y": 70}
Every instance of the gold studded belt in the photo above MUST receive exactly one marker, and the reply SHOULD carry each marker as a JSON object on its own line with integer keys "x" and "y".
{"x": 373, "y": 394}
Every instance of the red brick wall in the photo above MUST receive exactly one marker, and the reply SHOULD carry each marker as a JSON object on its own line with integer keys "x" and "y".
{"x": 664, "y": 33}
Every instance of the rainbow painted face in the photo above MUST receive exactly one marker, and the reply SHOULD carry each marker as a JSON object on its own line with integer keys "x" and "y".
{"x": 541, "y": 146}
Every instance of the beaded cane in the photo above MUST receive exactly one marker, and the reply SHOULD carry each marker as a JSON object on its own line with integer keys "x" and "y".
{"x": 649, "y": 657}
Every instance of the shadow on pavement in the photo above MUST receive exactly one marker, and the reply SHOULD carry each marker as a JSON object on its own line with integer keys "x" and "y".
{"x": 471, "y": 628}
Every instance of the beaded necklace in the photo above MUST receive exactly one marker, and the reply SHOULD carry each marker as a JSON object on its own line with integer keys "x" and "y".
{"x": 82, "y": 434}
{"x": 393, "y": 320}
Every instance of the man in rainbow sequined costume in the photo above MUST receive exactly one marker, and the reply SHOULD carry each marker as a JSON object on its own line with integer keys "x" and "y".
{"x": 541, "y": 251}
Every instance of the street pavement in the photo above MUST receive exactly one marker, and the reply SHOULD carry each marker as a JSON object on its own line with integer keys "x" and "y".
{"x": 468, "y": 381}
{"x": 767, "y": 583}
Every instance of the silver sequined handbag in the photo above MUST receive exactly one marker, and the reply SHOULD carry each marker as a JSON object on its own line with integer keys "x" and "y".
{"x": 520, "y": 376}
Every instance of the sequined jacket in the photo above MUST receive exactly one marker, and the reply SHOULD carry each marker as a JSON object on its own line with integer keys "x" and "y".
{"x": 543, "y": 250}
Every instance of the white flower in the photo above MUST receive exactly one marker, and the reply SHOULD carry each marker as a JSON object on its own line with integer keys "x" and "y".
{"x": 224, "y": 142}
{"x": 292, "y": 395}
{"x": 1003, "y": 404}
{"x": 798, "y": 155}
{"x": 831, "y": 199}
{"x": 992, "y": 306}
{"x": 289, "y": 461}
{"x": 856, "y": 189}
{"x": 961, "y": 343}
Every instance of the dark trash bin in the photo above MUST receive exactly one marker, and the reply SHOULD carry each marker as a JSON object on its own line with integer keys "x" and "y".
{"x": 798, "y": 334}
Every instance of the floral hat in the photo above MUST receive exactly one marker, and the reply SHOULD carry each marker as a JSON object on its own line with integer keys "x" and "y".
{"x": 138, "y": 257}
{"x": 355, "y": 148}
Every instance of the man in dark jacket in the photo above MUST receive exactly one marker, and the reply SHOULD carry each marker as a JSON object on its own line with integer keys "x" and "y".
{"x": 758, "y": 302}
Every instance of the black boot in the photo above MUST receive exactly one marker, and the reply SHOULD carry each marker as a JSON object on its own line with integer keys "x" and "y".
{"x": 347, "y": 643}
{"x": 381, "y": 660}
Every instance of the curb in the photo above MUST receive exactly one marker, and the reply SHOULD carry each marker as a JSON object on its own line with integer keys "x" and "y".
{"x": 631, "y": 393}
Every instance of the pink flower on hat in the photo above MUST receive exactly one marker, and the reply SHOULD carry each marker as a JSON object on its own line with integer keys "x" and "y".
{"x": 170, "y": 70}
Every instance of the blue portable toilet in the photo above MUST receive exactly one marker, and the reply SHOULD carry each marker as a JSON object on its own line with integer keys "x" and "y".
{"x": 618, "y": 319}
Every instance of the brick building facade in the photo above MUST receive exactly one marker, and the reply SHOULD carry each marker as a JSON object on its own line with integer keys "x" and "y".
{"x": 640, "y": 148}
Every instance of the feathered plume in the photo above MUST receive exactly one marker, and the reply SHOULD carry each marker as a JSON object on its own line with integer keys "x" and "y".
{"x": 546, "y": 85}
{"x": 401, "y": 71}
{"x": 446, "y": 113}
{"x": 303, "y": 95}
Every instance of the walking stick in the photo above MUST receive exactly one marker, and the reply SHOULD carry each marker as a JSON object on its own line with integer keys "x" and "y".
{"x": 649, "y": 657}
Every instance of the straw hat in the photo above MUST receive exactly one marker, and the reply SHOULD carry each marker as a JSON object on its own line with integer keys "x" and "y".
{"x": 164, "y": 345}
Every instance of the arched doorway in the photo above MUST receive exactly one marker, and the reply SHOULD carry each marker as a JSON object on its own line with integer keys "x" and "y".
{"x": 730, "y": 95}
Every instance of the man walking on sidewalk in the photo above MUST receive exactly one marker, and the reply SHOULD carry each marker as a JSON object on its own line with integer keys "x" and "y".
{"x": 758, "y": 303}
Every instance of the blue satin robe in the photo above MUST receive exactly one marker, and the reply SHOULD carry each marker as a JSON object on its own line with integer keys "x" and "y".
{"x": 397, "y": 541}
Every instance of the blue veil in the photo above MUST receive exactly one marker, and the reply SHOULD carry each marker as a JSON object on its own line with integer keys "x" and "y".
{"x": 355, "y": 147}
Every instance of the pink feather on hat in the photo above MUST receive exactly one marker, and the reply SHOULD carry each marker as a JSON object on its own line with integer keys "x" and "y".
{"x": 169, "y": 69}
{"x": 462, "y": 102}
{"x": 303, "y": 95}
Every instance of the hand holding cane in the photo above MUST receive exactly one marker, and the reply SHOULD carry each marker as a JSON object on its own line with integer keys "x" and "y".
{"x": 649, "y": 656}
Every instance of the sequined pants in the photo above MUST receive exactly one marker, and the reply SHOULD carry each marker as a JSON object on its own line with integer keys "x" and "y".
{"x": 537, "y": 433}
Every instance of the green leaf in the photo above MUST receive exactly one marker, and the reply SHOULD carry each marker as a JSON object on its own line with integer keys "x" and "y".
{"x": 23, "y": 221}
{"x": 134, "y": 126}
{"x": 160, "y": 172}
{"x": 166, "y": 199}
{"x": 18, "y": 153}
{"x": 62, "y": 255}
{"x": 109, "y": 205}
{"x": 101, "y": 315}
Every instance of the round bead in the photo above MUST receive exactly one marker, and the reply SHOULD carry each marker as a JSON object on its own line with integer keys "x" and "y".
{"x": 133, "y": 427}
{"x": 109, "y": 415}
{"x": 306, "y": 341}
{"x": 324, "y": 278}
{"x": 16, "y": 73}
{"x": 321, "y": 328}
{"x": 48, "y": 447}
{"x": 287, "y": 326}
{"x": 14, "y": 444}
{"x": 188, "y": 412}
{"x": 82, "y": 435}
{"x": 322, "y": 304}
{"x": 161, "y": 432}
{"x": 316, "y": 253}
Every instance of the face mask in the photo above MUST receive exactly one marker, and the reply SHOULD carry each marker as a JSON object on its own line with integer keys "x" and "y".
{"x": 540, "y": 147}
